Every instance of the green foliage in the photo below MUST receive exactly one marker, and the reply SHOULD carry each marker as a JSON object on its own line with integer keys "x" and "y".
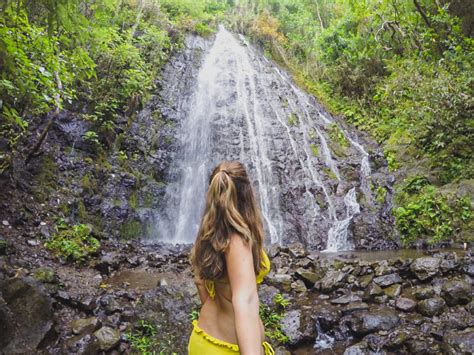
{"x": 194, "y": 314}
{"x": 314, "y": 149}
{"x": 271, "y": 317}
{"x": 74, "y": 243}
{"x": 91, "y": 136}
{"x": 143, "y": 340}
{"x": 427, "y": 214}
{"x": 104, "y": 54}
{"x": 380, "y": 194}
{"x": 336, "y": 135}
{"x": 292, "y": 119}
{"x": 401, "y": 70}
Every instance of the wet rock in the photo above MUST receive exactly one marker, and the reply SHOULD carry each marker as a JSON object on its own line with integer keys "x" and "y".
{"x": 422, "y": 293}
{"x": 461, "y": 342}
{"x": 346, "y": 299}
{"x": 110, "y": 304}
{"x": 299, "y": 286}
{"x": 85, "y": 325}
{"x": 7, "y": 329}
{"x": 393, "y": 291}
{"x": 387, "y": 280}
{"x": 396, "y": 339}
{"x": 371, "y": 291}
{"x": 383, "y": 268}
{"x": 425, "y": 267}
{"x": 328, "y": 316}
{"x": 405, "y": 304}
{"x": 290, "y": 325}
{"x": 107, "y": 337}
{"x": 333, "y": 280}
{"x": 86, "y": 303}
{"x": 456, "y": 292}
{"x": 448, "y": 265}
{"x": 29, "y": 312}
{"x": 354, "y": 307}
{"x": 267, "y": 293}
{"x": 281, "y": 351}
{"x": 3, "y": 246}
{"x": 82, "y": 344}
{"x": 365, "y": 280}
{"x": 280, "y": 280}
{"x": 469, "y": 269}
{"x": 426, "y": 345}
{"x": 308, "y": 277}
{"x": 297, "y": 250}
{"x": 368, "y": 322}
{"x": 357, "y": 349}
{"x": 431, "y": 306}
{"x": 470, "y": 307}
{"x": 107, "y": 263}
{"x": 273, "y": 250}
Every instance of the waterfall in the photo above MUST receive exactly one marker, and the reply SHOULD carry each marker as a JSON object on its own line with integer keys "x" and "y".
{"x": 243, "y": 107}
{"x": 323, "y": 340}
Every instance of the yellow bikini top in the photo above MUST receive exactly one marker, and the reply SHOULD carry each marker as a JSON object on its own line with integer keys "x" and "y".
{"x": 211, "y": 287}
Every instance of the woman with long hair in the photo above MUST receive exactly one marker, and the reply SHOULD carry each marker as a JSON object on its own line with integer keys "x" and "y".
{"x": 228, "y": 262}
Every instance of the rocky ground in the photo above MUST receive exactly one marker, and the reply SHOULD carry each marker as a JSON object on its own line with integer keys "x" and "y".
{"x": 131, "y": 297}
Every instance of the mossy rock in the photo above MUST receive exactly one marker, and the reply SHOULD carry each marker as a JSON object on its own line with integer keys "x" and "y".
{"x": 46, "y": 275}
{"x": 3, "y": 247}
{"x": 132, "y": 229}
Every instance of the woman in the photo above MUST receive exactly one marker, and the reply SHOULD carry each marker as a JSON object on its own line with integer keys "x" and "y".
{"x": 228, "y": 262}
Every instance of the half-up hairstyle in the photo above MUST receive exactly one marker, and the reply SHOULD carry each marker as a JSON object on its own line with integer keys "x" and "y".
{"x": 231, "y": 207}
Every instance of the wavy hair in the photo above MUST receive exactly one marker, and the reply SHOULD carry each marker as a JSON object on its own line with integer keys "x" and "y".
{"x": 231, "y": 207}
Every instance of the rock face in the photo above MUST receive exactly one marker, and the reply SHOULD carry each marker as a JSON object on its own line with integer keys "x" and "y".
{"x": 27, "y": 315}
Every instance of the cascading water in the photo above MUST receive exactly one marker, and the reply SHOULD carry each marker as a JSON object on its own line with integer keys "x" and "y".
{"x": 244, "y": 108}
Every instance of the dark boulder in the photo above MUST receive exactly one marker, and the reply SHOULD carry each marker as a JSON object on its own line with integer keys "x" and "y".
{"x": 27, "y": 315}
{"x": 456, "y": 292}
{"x": 431, "y": 306}
{"x": 372, "y": 321}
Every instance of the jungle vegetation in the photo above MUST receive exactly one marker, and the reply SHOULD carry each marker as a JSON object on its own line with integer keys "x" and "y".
{"x": 401, "y": 70}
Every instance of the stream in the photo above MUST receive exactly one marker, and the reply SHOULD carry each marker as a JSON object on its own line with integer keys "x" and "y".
{"x": 312, "y": 175}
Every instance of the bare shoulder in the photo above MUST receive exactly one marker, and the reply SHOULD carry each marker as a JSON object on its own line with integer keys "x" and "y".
{"x": 237, "y": 244}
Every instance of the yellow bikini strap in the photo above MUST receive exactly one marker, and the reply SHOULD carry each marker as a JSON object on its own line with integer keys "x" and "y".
{"x": 268, "y": 348}
{"x": 210, "y": 287}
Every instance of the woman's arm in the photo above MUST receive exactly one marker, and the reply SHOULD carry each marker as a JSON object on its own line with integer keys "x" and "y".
{"x": 239, "y": 261}
{"x": 203, "y": 295}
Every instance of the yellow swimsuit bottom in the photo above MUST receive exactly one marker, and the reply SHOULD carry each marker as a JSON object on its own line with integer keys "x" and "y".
{"x": 201, "y": 343}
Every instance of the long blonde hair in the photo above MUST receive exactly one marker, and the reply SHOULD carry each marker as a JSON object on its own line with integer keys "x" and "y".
{"x": 231, "y": 207}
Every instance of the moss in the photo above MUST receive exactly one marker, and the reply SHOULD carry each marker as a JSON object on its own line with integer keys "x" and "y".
{"x": 131, "y": 230}
{"x": 336, "y": 134}
{"x": 133, "y": 200}
{"x": 330, "y": 173}
{"x": 82, "y": 211}
{"x": 46, "y": 178}
{"x": 314, "y": 149}
{"x": 148, "y": 200}
{"x": 88, "y": 183}
{"x": 292, "y": 121}
{"x": 380, "y": 194}
{"x": 64, "y": 208}
{"x": 45, "y": 274}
